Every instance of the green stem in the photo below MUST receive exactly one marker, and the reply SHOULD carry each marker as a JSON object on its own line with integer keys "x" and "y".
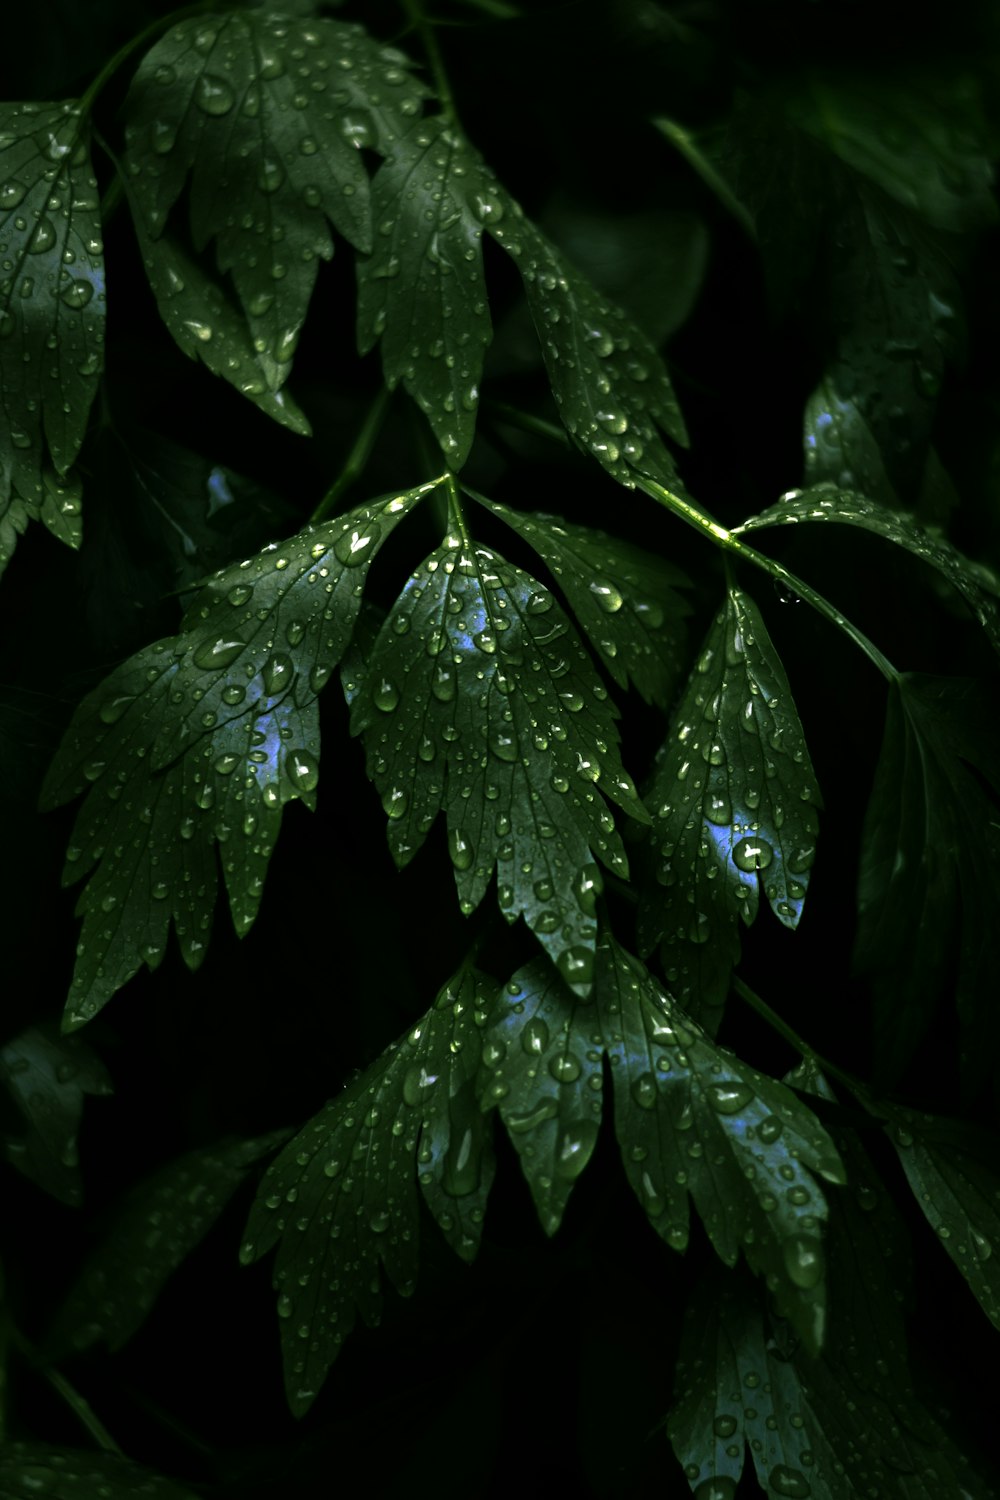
{"x": 736, "y": 547}
{"x": 791, "y": 1036}
{"x": 428, "y": 40}
{"x": 84, "y": 1411}
{"x": 456, "y": 515}
{"x": 358, "y": 457}
{"x": 125, "y": 52}
{"x": 684, "y": 143}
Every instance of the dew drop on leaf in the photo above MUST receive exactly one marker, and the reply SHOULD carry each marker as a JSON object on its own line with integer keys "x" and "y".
{"x": 302, "y": 770}
{"x": 213, "y": 95}
{"x": 803, "y": 1259}
{"x": 214, "y": 655}
{"x": 730, "y": 1097}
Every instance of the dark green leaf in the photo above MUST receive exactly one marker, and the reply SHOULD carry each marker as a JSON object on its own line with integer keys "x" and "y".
{"x": 480, "y": 698}
{"x": 734, "y": 802}
{"x": 895, "y": 309}
{"x": 47, "y": 1076}
{"x": 155, "y": 1229}
{"x": 207, "y": 325}
{"x": 341, "y": 1198}
{"x": 929, "y": 878}
{"x": 52, "y": 309}
{"x": 610, "y": 384}
{"x": 622, "y": 595}
{"x": 266, "y": 114}
{"x": 542, "y": 1069}
{"x": 815, "y": 1428}
{"x": 921, "y": 139}
{"x": 824, "y": 502}
{"x": 692, "y": 1119}
{"x": 66, "y": 1474}
{"x": 423, "y": 291}
{"x": 952, "y": 1171}
{"x": 201, "y": 739}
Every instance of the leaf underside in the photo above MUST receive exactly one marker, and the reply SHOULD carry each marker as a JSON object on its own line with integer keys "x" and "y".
{"x": 160, "y": 1222}
{"x": 734, "y": 804}
{"x": 201, "y": 739}
{"x": 52, "y": 313}
{"x": 341, "y": 1199}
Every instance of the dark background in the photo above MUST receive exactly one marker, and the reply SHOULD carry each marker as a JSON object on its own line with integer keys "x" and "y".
{"x": 548, "y": 1365}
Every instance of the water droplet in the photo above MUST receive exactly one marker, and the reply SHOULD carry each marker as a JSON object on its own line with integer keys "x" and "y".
{"x": 752, "y": 854}
{"x": 357, "y": 546}
{"x": 575, "y": 1148}
{"x": 770, "y": 1129}
{"x": 417, "y": 1084}
{"x": 277, "y": 673}
{"x": 213, "y": 95}
{"x": 461, "y": 851}
{"x": 535, "y": 1036}
{"x": 358, "y": 128}
{"x": 12, "y": 194}
{"x": 213, "y": 655}
{"x": 270, "y": 176}
{"x": 43, "y": 238}
{"x": 77, "y": 294}
{"x": 460, "y": 1173}
{"x": 730, "y": 1097}
{"x": 386, "y": 696}
{"x": 112, "y": 709}
{"x": 721, "y": 1487}
{"x": 644, "y": 1091}
{"x": 724, "y": 1425}
{"x": 487, "y": 208}
{"x": 791, "y": 1482}
{"x": 503, "y": 746}
{"x": 565, "y": 1068}
{"x": 239, "y": 595}
{"x": 613, "y": 420}
{"x": 521, "y": 1123}
{"x": 608, "y": 596}
{"x": 302, "y": 770}
{"x": 803, "y": 1261}
{"x": 576, "y": 965}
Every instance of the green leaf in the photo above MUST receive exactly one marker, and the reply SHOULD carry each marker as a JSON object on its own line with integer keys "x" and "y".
{"x": 813, "y": 1428}
{"x": 341, "y": 1198}
{"x": 734, "y": 802}
{"x": 611, "y": 386}
{"x": 480, "y": 699}
{"x": 951, "y": 1169}
{"x": 977, "y": 585}
{"x": 154, "y": 1230}
{"x": 693, "y": 1119}
{"x": 267, "y": 115}
{"x": 922, "y": 139}
{"x": 207, "y": 325}
{"x": 47, "y": 1076}
{"x": 201, "y": 739}
{"x": 929, "y": 877}
{"x": 67, "y": 1474}
{"x": 542, "y": 1069}
{"x": 896, "y": 306}
{"x": 52, "y": 310}
{"x": 423, "y": 290}
{"x": 623, "y": 596}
